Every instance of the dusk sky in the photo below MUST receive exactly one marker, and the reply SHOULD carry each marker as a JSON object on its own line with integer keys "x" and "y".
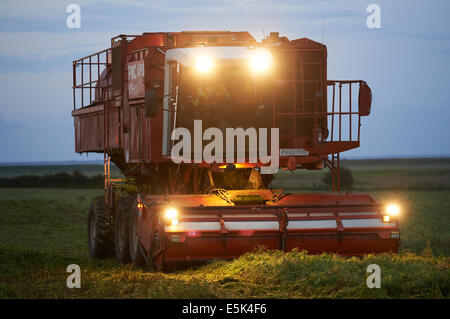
{"x": 406, "y": 62}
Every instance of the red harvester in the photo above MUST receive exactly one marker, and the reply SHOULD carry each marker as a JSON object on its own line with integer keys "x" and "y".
{"x": 129, "y": 98}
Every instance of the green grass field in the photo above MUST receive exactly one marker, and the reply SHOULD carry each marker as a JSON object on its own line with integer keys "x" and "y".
{"x": 379, "y": 174}
{"x": 44, "y": 230}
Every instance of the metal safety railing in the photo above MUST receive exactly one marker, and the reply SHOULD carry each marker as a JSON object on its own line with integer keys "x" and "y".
{"x": 89, "y": 89}
{"x": 337, "y": 109}
{"x": 87, "y": 72}
{"x": 344, "y": 119}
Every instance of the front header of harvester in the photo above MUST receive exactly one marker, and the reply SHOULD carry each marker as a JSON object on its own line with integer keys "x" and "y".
{"x": 201, "y": 121}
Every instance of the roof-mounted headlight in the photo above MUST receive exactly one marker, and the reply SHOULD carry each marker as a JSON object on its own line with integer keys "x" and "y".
{"x": 260, "y": 61}
{"x": 203, "y": 64}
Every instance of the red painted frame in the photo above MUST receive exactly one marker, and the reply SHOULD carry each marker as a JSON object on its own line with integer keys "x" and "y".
{"x": 224, "y": 243}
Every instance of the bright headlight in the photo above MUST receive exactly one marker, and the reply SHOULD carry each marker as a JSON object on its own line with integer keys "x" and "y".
{"x": 393, "y": 210}
{"x": 203, "y": 64}
{"x": 260, "y": 61}
{"x": 171, "y": 213}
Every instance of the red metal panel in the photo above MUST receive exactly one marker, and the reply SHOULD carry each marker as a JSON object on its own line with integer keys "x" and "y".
{"x": 156, "y": 134}
{"x": 90, "y": 132}
{"x": 193, "y": 38}
{"x": 147, "y": 40}
{"x": 347, "y": 224}
{"x": 226, "y": 247}
{"x": 135, "y": 134}
{"x": 113, "y": 122}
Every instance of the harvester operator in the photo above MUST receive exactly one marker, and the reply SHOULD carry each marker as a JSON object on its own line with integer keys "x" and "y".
{"x": 213, "y": 104}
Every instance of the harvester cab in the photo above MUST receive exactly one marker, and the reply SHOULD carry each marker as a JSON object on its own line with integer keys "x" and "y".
{"x": 200, "y": 122}
{"x": 219, "y": 85}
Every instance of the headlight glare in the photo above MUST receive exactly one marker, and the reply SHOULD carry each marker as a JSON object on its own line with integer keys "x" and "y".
{"x": 203, "y": 64}
{"x": 260, "y": 61}
{"x": 393, "y": 210}
{"x": 171, "y": 213}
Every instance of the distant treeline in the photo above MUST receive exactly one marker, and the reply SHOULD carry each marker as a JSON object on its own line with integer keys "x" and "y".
{"x": 58, "y": 180}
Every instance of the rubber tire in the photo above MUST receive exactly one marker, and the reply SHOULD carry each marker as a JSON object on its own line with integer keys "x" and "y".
{"x": 134, "y": 243}
{"x": 99, "y": 232}
{"x": 121, "y": 225}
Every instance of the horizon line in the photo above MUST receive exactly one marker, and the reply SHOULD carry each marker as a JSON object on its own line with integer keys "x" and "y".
{"x": 99, "y": 161}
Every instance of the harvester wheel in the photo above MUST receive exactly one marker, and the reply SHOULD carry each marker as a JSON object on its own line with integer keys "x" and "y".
{"x": 121, "y": 225}
{"x": 134, "y": 242}
{"x": 99, "y": 230}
